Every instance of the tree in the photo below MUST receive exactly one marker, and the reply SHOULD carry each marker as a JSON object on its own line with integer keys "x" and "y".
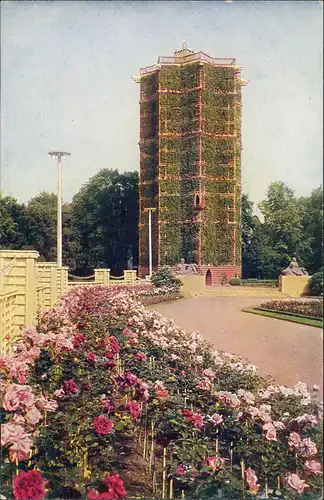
{"x": 39, "y": 225}
{"x": 311, "y": 209}
{"x": 11, "y": 214}
{"x": 283, "y": 230}
{"x": 104, "y": 221}
{"x": 251, "y": 251}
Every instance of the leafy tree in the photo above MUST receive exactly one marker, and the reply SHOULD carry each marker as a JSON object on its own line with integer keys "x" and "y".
{"x": 283, "y": 231}
{"x": 11, "y": 213}
{"x": 104, "y": 221}
{"x": 251, "y": 248}
{"x": 311, "y": 209}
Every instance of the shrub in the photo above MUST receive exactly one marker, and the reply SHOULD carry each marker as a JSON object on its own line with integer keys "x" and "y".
{"x": 165, "y": 277}
{"x": 316, "y": 283}
{"x": 235, "y": 281}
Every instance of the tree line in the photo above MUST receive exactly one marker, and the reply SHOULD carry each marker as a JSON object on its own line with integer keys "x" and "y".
{"x": 100, "y": 227}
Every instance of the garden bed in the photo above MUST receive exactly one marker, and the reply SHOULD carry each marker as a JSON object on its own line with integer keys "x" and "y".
{"x": 103, "y": 385}
{"x": 286, "y": 316}
{"x": 304, "y": 308}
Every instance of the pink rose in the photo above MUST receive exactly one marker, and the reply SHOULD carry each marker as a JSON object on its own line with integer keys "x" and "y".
{"x": 18, "y": 396}
{"x": 20, "y": 449}
{"x": 180, "y": 471}
{"x": 313, "y": 466}
{"x": 252, "y": 479}
{"x": 91, "y": 357}
{"x": 216, "y": 419}
{"x": 11, "y": 433}
{"x": 209, "y": 374}
{"x": 205, "y": 385}
{"x": 307, "y": 447}
{"x": 214, "y": 462}
{"x": 294, "y": 440}
{"x": 271, "y": 434}
{"x": 141, "y": 356}
{"x": 33, "y": 416}
{"x": 197, "y": 420}
{"x": 294, "y": 481}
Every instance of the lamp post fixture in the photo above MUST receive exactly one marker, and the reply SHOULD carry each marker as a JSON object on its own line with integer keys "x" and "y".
{"x": 150, "y": 210}
{"x": 59, "y": 155}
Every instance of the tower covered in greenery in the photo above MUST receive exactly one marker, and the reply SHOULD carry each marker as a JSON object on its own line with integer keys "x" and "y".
{"x": 190, "y": 162}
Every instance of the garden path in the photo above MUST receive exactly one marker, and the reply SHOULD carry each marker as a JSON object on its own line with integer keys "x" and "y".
{"x": 287, "y": 351}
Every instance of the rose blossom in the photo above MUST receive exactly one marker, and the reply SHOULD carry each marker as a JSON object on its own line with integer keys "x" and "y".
{"x": 313, "y": 466}
{"x": 209, "y": 374}
{"x": 197, "y": 420}
{"x": 115, "y": 486}
{"x": 11, "y": 433}
{"x": 18, "y": 396}
{"x": 134, "y": 409}
{"x": 29, "y": 485}
{"x": 294, "y": 481}
{"x": 271, "y": 434}
{"x": 91, "y": 357}
{"x": 307, "y": 447}
{"x": 180, "y": 471}
{"x": 216, "y": 419}
{"x": 294, "y": 440}
{"x": 252, "y": 479}
{"x": 214, "y": 462}
{"x": 205, "y": 385}
{"x": 103, "y": 425}
{"x": 33, "y": 416}
{"x": 141, "y": 356}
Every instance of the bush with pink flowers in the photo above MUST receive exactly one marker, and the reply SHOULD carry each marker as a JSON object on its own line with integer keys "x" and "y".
{"x": 101, "y": 383}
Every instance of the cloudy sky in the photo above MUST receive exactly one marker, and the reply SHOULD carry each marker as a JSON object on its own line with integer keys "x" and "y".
{"x": 66, "y": 84}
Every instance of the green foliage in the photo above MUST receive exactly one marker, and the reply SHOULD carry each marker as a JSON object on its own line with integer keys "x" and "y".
{"x": 316, "y": 283}
{"x": 235, "y": 281}
{"x": 165, "y": 277}
{"x": 311, "y": 212}
{"x": 104, "y": 219}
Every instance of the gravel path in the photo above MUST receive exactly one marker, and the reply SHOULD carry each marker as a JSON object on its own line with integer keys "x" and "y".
{"x": 287, "y": 351}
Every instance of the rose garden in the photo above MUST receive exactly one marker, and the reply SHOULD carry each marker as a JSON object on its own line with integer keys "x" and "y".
{"x": 105, "y": 398}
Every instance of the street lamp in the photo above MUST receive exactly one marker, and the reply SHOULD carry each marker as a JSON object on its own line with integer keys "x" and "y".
{"x": 150, "y": 210}
{"x": 59, "y": 155}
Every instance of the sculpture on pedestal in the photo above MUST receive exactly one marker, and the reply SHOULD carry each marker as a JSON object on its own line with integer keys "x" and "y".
{"x": 186, "y": 269}
{"x": 294, "y": 270}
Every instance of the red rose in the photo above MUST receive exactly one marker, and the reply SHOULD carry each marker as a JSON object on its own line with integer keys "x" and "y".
{"x": 103, "y": 425}
{"x": 134, "y": 409}
{"x": 29, "y": 485}
{"x": 115, "y": 486}
{"x": 70, "y": 386}
{"x": 78, "y": 339}
{"x": 91, "y": 357}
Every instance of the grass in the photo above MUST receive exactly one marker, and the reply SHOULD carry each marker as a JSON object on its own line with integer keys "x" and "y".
{"x": 304, "y": 320}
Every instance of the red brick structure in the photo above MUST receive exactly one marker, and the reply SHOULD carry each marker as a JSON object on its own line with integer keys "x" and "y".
{"x": 190, "y": 164}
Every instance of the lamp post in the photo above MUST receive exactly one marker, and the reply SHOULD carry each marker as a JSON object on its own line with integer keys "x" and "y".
{"x": 150, "y": 210}
{"x": 59, "y": 155}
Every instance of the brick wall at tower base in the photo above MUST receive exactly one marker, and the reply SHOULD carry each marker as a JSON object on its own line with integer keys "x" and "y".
{"x": 217, "y": 273}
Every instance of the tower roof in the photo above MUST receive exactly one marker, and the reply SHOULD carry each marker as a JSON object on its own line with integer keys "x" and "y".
{"x": 187, "y": 56}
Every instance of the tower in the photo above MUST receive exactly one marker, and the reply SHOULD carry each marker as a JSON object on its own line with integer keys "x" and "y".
{"x": 190, "y": 162}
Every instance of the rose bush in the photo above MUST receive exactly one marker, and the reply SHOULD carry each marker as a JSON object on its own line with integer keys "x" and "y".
{"x": 101, "y": 376}
{"x": 304, "y": 307}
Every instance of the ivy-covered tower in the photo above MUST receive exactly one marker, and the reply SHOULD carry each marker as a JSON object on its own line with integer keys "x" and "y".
{"x": 190, "y": 163}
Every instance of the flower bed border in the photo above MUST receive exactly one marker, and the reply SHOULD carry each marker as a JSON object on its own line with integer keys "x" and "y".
{"x": 294, "y": 318}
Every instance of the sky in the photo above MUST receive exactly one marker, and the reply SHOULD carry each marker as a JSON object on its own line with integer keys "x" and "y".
{"x": 66, "y": 84}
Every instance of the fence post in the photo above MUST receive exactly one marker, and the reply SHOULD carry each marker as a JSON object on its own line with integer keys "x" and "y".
{"x": 130, "y": 277}
{"x": 102, "y": 276}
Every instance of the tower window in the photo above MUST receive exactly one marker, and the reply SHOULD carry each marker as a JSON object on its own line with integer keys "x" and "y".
{"x": 198, "y": 201}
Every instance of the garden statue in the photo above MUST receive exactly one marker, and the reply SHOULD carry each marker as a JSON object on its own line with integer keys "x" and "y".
{"x": 294, "y": 270}
{"x": 184, "y": 268}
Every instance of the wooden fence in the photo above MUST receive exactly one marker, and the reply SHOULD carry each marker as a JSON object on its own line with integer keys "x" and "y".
{"x": 28, "y": 287}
